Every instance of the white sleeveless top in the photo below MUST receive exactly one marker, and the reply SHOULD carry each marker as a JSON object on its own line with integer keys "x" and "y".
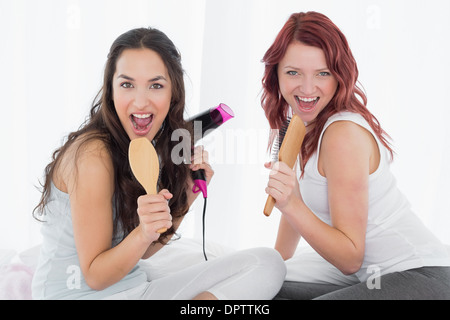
{"x": 396, "y": 240}
{"x": 58, "y": 274}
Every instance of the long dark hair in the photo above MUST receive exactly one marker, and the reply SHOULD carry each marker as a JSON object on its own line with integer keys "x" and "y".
{"x": 103, "y": 123}
{"x": 317, "y": 30}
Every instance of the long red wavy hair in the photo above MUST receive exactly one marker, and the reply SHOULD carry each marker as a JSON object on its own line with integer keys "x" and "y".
{"x": 315, "y": 29}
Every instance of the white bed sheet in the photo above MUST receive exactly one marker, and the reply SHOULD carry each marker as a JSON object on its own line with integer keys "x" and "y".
{"x": 16, "y": 273}
{"x": 16, "y": 269}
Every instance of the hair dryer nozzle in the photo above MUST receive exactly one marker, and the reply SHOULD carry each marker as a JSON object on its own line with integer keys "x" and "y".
{"x": 221, "y": 114}
{"x": 211, "y": 119}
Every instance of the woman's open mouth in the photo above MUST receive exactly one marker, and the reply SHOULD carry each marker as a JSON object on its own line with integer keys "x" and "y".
{"x": 306, "y": 104}
{"x": 142, "y": 123}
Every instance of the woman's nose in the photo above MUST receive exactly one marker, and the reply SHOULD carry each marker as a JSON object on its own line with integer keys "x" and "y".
{"x": 141, "y": 99}
{"x": 307, "y": 86}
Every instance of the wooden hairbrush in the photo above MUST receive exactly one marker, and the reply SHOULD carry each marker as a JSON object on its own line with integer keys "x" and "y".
{"x": 289, "y": 150}
{"x": 144, "y": 163}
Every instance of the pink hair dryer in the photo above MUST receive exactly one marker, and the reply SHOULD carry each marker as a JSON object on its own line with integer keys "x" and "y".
{"x": 209, "y": 120}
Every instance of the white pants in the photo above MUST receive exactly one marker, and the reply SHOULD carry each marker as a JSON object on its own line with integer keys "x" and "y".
{"x": 308, "y": 266}
{"x": 254, "y": 274}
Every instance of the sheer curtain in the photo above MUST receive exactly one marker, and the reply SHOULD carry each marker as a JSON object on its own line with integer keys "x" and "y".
{"x": 52, "y": 58}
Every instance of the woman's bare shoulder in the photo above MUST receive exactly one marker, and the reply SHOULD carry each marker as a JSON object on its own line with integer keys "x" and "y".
{"x": 85, "y": 155}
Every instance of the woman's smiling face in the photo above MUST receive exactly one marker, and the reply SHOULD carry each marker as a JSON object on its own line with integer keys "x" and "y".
{"x": 142, "y": 92}
{"x": 305, "y": 81}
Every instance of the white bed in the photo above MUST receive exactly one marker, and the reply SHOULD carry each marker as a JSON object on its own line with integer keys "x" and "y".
{"x": 16, "y": 269}
{"x": 16, "y": 272}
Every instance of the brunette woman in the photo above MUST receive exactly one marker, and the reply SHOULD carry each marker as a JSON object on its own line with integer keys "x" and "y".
{"x": 98, "y": 221}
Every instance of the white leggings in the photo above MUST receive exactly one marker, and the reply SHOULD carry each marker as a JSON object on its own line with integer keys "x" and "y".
{"x": 253, "y": 274}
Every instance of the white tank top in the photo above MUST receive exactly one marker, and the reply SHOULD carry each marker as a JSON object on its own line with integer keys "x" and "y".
{"x": 58, "y": 274}
{"x": 396, "y": 239}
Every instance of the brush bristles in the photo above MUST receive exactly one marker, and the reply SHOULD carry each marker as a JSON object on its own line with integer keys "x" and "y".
{"x": 278, "y": 141}
{"x": 291, "y": 144}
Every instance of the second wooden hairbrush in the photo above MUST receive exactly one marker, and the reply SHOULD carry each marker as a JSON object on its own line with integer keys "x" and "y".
{"x": 289, "y": 150}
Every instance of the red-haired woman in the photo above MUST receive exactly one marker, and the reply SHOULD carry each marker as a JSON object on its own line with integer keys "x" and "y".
{"x": 343, "y": 200}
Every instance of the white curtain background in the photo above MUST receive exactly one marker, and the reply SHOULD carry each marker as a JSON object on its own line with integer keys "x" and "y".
{"x": 53, "y": 54}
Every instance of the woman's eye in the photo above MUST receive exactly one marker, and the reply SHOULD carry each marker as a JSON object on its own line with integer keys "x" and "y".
{"x": 292, "y": 73}
{"x": 126, "y": 85}
{"x": 324, "y": 74}
{"x": 156, "y": 86}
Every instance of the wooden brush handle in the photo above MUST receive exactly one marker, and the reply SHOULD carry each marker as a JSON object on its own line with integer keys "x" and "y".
{"x": 290, "y": 148}
{"x": 270, "y": 203}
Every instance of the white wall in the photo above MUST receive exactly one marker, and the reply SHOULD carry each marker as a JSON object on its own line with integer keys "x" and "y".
{"x": 53, "y": 53}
